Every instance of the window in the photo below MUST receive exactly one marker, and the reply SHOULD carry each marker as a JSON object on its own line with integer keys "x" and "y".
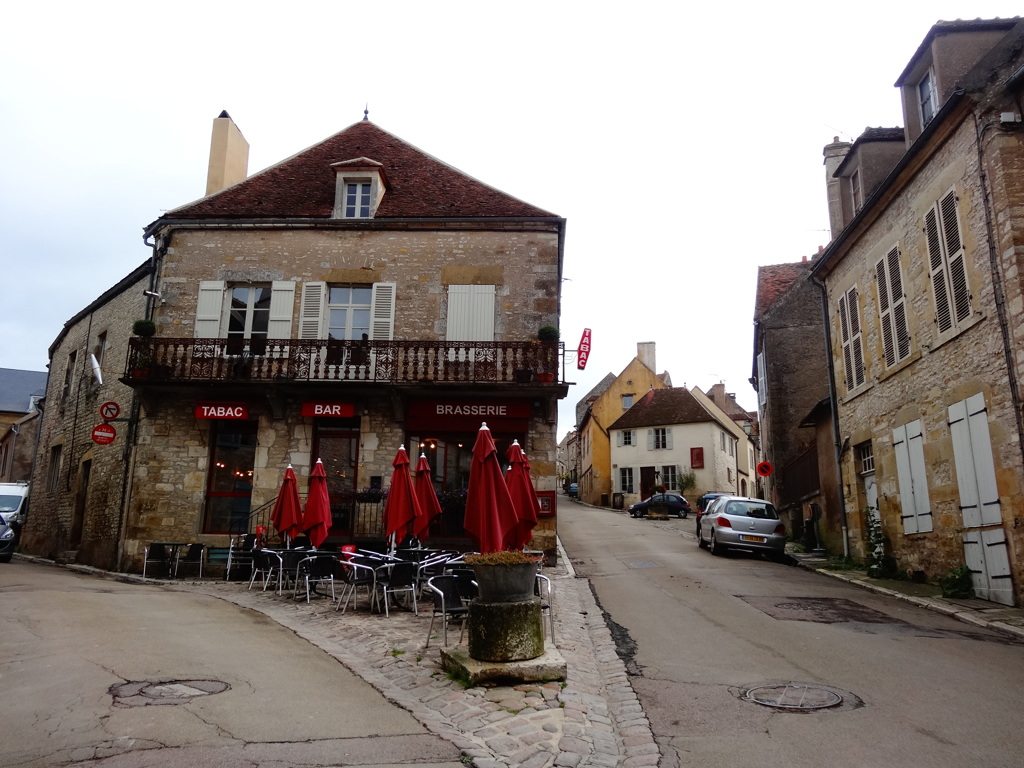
{"x": 855, "y": 191}
{"x": 101, "y": 348}
{"x": 946, "y": 260}
{"x": 728, "y": 474}
{"x": 892, "y": 308}
{"x": 627, "y": 402}
{"x": 69, "y": 375}
{"x": 853, "y": 350}
{"x": 732, "y": 447}
{"x": 53, "y": 471}
{"x": 908, "y": 445}
{"x": 865, "y": 458}
{"x": 357, "y": 199}
{"x": 762, "y": 381}
{"x": 249, "y": 317}
{"x": 669, "y": 478}
{"x": 625, "y": 437}
{"x": 721, "y": 440}
{"x": 626, "y": 479}
{"x": 927, "y": 98}
{"x": 348, "y": 311}
{"x": 470, "y": 313}
{"x": 659, "y": 438}
{"x": 245, "y": 312}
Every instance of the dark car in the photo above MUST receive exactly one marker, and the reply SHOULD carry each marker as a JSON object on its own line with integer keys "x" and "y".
{"x": 702, "y": 504}
{"x": 8, "y": 541}
{"x": 677, "y": 505}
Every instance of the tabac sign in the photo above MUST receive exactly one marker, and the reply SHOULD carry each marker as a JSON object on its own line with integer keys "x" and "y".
{"x": 214, "y": 410}
{"x": 584, "y": 350}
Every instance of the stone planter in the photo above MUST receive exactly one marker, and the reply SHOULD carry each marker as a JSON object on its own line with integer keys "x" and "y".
{"x": 505, "y": 583}
{"x": 658, "y": 511}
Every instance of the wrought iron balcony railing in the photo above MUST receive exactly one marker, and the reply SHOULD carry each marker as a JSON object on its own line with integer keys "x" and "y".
{"x": 397, "y": 362}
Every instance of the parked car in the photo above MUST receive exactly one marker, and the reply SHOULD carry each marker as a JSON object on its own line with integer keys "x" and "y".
{"x": 742, "y": 523}
{"x": 573, "y": 491}
{"x": 14, "y": 504}
{"x": 8, "y": 541}
{"x": 677, "y": 505}
{"x": 702, "y": 503}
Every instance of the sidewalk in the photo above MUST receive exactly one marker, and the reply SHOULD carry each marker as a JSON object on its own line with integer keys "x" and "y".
{"x": 980, "y": 613}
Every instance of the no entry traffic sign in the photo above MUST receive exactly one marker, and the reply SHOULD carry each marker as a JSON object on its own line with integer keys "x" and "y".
{"x": 103, "y": 434}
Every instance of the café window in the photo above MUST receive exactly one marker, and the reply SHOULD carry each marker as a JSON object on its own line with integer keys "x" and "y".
{"x": 229, "y": 478}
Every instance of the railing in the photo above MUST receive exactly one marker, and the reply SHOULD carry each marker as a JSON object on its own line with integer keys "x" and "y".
{"x": 175, "y": 360}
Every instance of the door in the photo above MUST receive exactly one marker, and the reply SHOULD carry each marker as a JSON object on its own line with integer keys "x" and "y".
{"x": 647, "y": 479}
{"x": 229, "y": 477}
{"x": 78, "y": 521}
{"x": 338, "y": 448}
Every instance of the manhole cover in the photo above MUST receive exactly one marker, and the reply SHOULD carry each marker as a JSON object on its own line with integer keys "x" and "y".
{"x": 643, "y": 564}
{"x": 154, "y": 693}
{"x": 794, "y": 696}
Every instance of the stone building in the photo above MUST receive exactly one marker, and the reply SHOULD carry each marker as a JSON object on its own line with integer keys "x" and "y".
{"x": 20, "y": 393}
{"x": 924, "y": 290}
{"x": 790, "y": 374}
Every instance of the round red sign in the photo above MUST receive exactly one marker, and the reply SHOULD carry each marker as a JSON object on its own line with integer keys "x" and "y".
{"x": 110, "y": 410}
{"x": 103, "y": 434}
{"x": 764, "y": 469}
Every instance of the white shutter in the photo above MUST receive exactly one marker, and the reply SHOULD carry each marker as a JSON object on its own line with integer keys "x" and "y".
{"x": 960, "y": 293}
{"x": 853, "y": 350}
{"x": 919, "y": 476}
{"x": 382, "y": 312}
{"x": 282, "y": 306}
{"x": 892, "y": 308}
{"x": 209, "y": 309}
{"x": 844, "y": 327}
{"x": 618, "y": 438}
{"x": 885, "y": 311}
{"x": 311, "y": 310}
{"x": 762, "y": 382}
{"x": 975, "y": 467}
{"x": 650, "y": 439}
{"x": 470, "y": 313}
{"x": 668, "y": 438}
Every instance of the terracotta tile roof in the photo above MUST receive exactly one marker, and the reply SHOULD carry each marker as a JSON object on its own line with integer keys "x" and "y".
{"x": 776, "y": 279}
{"x": 419, "y": 186}
{"x": 664, "y": 407}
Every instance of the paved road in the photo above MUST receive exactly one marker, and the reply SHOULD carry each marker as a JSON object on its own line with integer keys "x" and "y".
{"x": 111, "y": 675}
{"x": 918, "y": 689}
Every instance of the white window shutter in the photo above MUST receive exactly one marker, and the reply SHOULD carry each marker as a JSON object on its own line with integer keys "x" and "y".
{"x": 470, "y": 313}
{"x": 762, "y": 382}
{"x": 919, "y": 476}
{"x": 900, "y": 449}
{"x": 311, "y": 310}
{"x": 650, "y": 439}
{"x": 966, "y": 480}
{"x": 618, "y": 438}
{"x": 856, "y": 343}
{"x": 844, "y": 327}
{"x": 975, "y": 467}
{"x": 901, "y": 328}
{"x": 282, "y": 307}
{"x": 885, "y": 311}
{"x": 668, "y": 438}
{"x": 209, "y": 309}
{"x": 959, "y": 291}
{"x": 382, "y": 312}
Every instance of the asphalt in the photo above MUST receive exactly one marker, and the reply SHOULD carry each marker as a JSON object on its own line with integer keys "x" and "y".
{"x": 593, "y": 718}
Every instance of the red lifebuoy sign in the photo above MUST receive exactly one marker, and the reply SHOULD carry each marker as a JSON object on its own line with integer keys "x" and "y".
{"x": 764, "y": 469}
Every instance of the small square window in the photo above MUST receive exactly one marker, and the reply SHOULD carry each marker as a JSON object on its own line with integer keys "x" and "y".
{"x": 927, "y": 98}
{"x": 660, "y": 438}
{"x": 627, "y": 402}
{"x": 627, "y": 437}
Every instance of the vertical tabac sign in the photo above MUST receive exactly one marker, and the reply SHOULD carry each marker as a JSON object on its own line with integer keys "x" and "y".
{"x": 584, "y": 351}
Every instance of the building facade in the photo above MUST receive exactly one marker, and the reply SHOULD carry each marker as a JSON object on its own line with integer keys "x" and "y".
{"x": 924, "y": 290}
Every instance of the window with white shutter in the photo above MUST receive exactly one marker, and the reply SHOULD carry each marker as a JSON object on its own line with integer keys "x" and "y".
{"x": 470, "y": 313}
{"x": 892, "y": 308}
{"x": 850, "y": 333}
{"x": 762, "y": 382}
{"x": 946, "y": 259}
{"x": 908, "y": 445}
{"x": 209, "y": 309}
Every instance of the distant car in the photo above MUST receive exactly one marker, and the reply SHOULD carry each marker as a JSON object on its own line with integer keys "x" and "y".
{"x": 573, "y": 491}
{"x": 8, "y": 541}
{"x": 702, "y": 503}
{"x": 677, "y": 505}
{"x": 742, "y": 523}
{"x": 13, "y": 504}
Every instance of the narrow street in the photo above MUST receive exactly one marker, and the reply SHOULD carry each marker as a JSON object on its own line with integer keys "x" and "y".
{"x": 871, "y": 680}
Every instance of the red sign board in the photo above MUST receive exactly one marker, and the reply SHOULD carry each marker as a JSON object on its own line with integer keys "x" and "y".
{"x": 584, "y": 351}
{"x": 109, "y": 410}
{"x": 467, "y": 415}
{"x": 103, "y": 434}
{"x": 214, "y": 410}
{"x": 697, "y": 458}
{"x": 764, "y": 469}
{"x": 329, "y": 409}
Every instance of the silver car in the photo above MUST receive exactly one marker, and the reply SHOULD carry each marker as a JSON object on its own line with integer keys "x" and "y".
{"x": 738, "y": 522}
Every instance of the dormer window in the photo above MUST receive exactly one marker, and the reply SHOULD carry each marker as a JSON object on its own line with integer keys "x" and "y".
{"x": 927, "y": 98}
{"x": 855, "y": 192}
{"x": 360, "y": 185}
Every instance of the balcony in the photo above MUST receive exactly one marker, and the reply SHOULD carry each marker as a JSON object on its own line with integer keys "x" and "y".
{"x": 167, "y": 360}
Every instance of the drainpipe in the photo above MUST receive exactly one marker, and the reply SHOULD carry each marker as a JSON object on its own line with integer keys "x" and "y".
{"x": 836, "y": 440}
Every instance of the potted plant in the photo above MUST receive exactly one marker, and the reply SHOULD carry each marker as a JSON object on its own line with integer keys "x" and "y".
{"x": 143, "y": 360}
{"x": 504, "y": 577}
{"x": 547, "y": 333}
{"x": 547, "y": 336}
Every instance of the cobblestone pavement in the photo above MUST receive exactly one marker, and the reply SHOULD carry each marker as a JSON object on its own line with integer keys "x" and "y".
{"x": 593, "y": 719}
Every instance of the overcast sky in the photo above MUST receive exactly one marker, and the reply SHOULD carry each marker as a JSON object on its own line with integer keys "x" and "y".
{"x": 682, "y": 144}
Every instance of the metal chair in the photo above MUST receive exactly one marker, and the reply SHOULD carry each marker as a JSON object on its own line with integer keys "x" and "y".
{"x": 316, "y": 569}
{"x": 194, "y": 555}
{"x": 267, "y": 563}
{"x": 394, "y": 579}
{"x": 448, "y": 604}
{"x": 356, "y": 574}
{"x": 240, "y": 554}
{"x": 157, "y": 552}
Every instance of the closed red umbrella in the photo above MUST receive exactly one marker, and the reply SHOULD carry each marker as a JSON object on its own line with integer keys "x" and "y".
{"x": 430, "y": 507}
{"x": 401, "y": 507}
{"x": 287, "y": 509}
{"x": 524, "y": 497}
{"x": 490, "y": 513}
{"x": 316, "y": 519}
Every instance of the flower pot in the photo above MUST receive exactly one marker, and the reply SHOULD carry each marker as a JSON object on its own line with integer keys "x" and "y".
{"x": 505, "y": 583}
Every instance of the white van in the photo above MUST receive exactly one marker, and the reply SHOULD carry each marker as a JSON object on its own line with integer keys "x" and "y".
{"x": 14, "y": 503}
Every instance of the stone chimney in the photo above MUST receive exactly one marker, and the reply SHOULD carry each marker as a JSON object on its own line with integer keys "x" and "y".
{"x": 229, "y": 155}
{"x": 834, "y": 154}
{"x": 645, "y": 354}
